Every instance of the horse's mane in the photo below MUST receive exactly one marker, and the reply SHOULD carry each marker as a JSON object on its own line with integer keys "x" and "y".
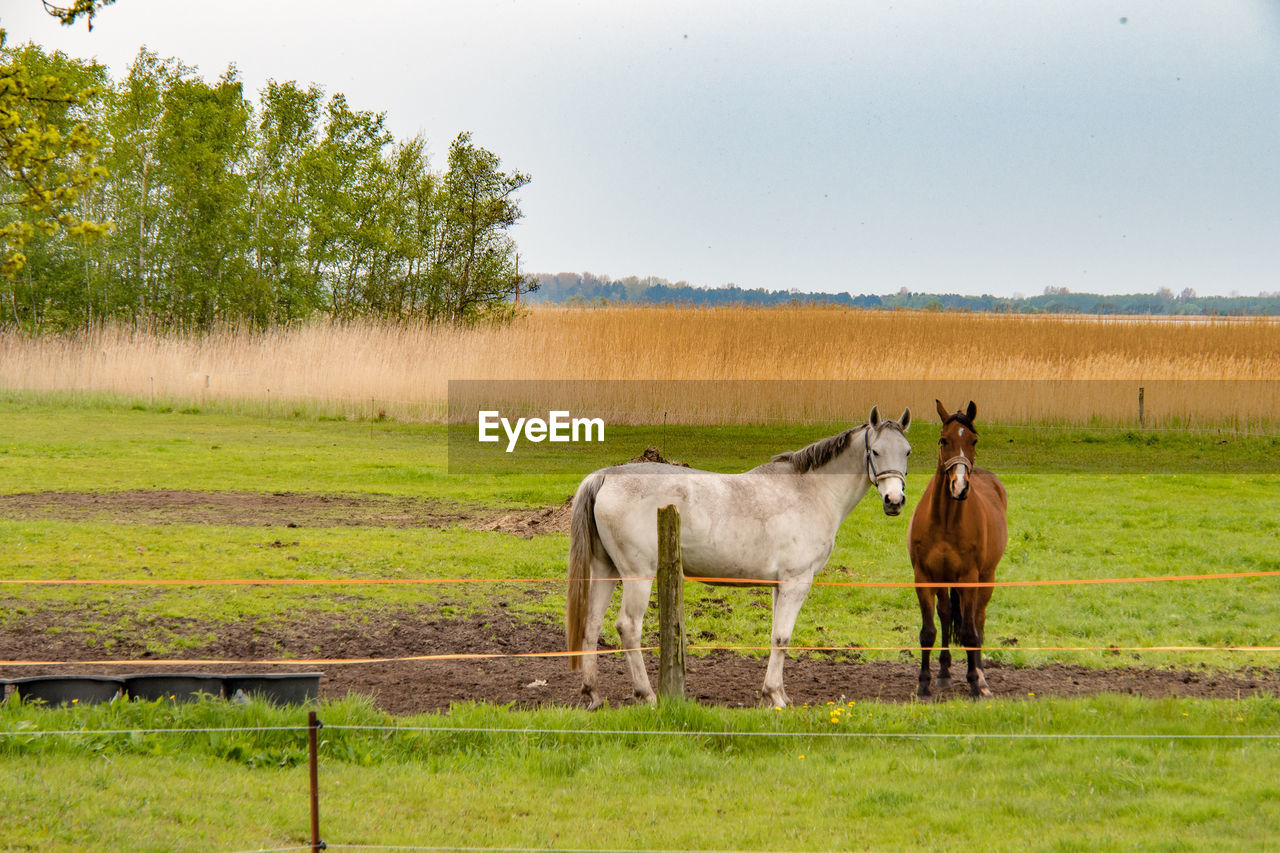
{"x": 820, "y": 452}
{"x": 964, "y": 421}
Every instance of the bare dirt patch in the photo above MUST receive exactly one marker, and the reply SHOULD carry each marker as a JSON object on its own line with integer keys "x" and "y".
{"x": 290, "y": 509}
{"x": 276, "y": 509}
{"x": 413, "y": 686}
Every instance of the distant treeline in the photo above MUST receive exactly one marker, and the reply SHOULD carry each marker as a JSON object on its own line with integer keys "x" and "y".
{"x": 585, "y": 288}
{"x": 257, "y": 212}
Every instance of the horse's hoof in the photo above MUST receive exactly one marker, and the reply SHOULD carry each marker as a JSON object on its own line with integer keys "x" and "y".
{"x": 595, "y": 703}
{"x": 923, "y": 691}
{"x": 646, "y": 698}
{"x": 944, "y": 683}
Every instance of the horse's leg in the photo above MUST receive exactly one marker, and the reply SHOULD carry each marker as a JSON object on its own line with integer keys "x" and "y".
{"x": 980, "y": 625}
{"x": 635, "y": 599}
{"x": 984, "y": 597}
{"x": 945, "y": 600}
{"x": 928, "y": 633}
{"x": 787, "y": 600}
{"x": 972, "y": 603}
{"x": 603, "y": 580}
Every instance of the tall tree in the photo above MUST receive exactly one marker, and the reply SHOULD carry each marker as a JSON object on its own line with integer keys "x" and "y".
{"x": 44, "y": 165}
{"x": 400, "y": 282}
{"x": 285, "y": 287}
{"x": 48, "y": 158}
{"x": 202, "y": 149}
{"x": 131, "y": 131}
{"x": 345, "y": 182}
{"x": 479, "y": 254}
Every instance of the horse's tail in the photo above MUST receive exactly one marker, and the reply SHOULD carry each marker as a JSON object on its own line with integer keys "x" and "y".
{"x": 584, "y": 540}
{"x": 957, "y": 615}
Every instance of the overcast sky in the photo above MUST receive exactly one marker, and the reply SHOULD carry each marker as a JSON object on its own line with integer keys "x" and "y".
{"x": 992, "y": 146}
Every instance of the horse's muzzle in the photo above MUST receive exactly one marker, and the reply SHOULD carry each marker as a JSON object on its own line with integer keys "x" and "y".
{"x": 892, "y": 507}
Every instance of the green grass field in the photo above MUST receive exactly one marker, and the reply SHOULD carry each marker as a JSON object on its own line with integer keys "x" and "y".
{"x": 1084, "y": 504}
{"x": 645, "y": 785}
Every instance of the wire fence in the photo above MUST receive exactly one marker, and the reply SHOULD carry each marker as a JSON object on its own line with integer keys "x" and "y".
{"x": 314, "y": 725}
{"x": 593, "y": 732}
{"x": 461, "y": 656}
{"x": 825, "y": 735}
{"x": 693, "y": 647}
{"x": 675, "y": 733}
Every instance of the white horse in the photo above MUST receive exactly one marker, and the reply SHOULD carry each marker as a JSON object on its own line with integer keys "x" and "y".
{"x": 775, "y": 524}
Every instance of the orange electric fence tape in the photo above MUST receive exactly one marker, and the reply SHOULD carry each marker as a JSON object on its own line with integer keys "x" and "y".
{"x": 481, "y": 656}
{"x": 1051, "y": 582}
{"x": 1018, "y": 648}
{"x": 714, "y": 580}
{"x": 319, "y": 661}
{"x": 492, "y": 655}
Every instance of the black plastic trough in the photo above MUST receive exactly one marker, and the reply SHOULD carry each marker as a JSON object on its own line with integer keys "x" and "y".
{"x": 68, "y": 689}
{"x": 174, "y": 686}
{"x": 282, "y": 688}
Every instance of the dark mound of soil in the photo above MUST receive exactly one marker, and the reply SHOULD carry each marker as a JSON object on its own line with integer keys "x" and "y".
{"x": 527, "y": 523}
{"x": 652, "y": 454}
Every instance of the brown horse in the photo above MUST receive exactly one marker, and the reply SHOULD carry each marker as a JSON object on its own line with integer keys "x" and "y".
{"x": 958, "y": 534}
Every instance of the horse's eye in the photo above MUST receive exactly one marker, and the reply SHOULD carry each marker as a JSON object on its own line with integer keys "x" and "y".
{"x": 908, "y": 452}
{"x": 875, "y": 453}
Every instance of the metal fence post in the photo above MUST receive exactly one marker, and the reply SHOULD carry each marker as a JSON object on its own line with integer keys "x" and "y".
{"x": 313, "y": 729}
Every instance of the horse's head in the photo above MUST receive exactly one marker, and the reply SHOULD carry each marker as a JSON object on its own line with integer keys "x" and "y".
{"x": 887, "y": 449}
{"x": 957, "y": 449}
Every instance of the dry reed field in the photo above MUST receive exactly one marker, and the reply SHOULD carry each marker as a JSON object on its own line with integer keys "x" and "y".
{"x": 1023, "y": 368}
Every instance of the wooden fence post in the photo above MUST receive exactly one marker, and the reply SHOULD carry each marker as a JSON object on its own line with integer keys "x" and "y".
{"x": 1142, "y": 421}
{"x": 671, "y": 638}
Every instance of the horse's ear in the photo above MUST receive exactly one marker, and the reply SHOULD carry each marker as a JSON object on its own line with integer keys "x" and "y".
{"x": 942, "y": 410}
{"x": 905, "y": 420}
{"x": 874, "y": 417}
{"x": 971, "y": 412}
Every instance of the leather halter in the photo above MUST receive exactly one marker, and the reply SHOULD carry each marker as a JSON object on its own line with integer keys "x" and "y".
{"x": 872, "y": 474}
{"x": 964, "y": 421}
